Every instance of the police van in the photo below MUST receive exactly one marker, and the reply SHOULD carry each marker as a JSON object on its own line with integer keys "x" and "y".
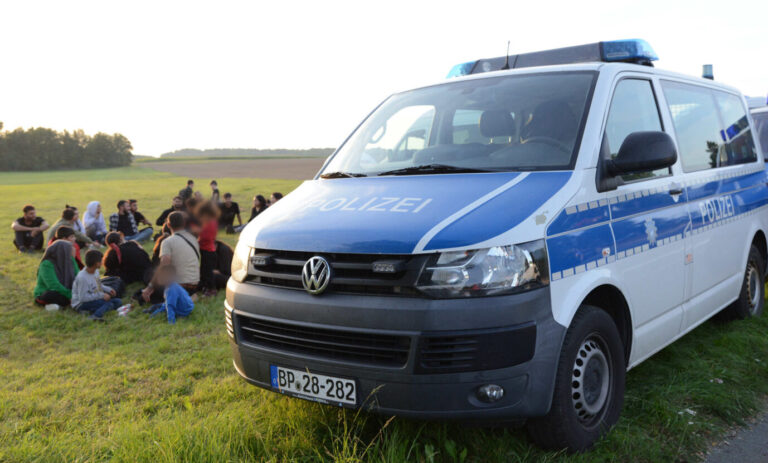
{"x": 508, "y": 243}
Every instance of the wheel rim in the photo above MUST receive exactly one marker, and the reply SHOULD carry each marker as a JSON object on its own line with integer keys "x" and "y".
{"x": 753, "y": 287}
{"x": 591, "y": 380}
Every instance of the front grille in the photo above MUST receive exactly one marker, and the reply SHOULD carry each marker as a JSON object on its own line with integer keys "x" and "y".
{"x": 476, "y": 351}
{"x": 350, "y": 346}
{"x": 352, "y": 273}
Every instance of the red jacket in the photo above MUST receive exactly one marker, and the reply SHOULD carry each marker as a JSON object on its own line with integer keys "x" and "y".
{"x": 207, "y": 238}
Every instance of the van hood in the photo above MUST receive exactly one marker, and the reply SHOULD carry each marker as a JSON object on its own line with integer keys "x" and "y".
{"x": 401, "y": 215}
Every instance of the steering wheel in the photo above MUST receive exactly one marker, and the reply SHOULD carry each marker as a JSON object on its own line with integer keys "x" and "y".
{"x": 549, "y": 141}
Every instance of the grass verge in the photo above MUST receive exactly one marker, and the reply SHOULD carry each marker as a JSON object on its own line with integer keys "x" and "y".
{"x": 138, "y": 390}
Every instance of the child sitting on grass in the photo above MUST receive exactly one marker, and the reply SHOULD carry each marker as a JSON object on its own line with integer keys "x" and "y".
{"x": 177, "y": 303}
{"x": 88, "y": 294}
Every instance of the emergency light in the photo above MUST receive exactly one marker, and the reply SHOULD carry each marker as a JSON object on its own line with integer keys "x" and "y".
{"x": 636, "y": 51}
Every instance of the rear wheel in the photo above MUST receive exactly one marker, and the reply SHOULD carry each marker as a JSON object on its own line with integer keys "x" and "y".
{"x": 589, "y": 385}
{"x": 752, "y": 296}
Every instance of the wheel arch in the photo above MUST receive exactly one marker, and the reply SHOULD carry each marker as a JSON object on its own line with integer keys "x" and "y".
{"x": 611, "y": 300}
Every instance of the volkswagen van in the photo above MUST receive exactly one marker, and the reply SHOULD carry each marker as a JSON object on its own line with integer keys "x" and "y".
{"x": 506, "y": 244}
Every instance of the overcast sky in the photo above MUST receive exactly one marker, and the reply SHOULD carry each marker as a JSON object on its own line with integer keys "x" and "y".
{"x": 283, "y": 74}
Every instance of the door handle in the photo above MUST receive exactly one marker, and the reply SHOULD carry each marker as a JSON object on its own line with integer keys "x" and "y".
{"x": 676, "y": 191}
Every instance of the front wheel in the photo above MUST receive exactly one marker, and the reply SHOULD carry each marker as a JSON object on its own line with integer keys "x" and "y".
{"x": 589, "y": 385}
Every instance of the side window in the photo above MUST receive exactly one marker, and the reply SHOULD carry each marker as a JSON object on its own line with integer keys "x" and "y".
{"x": 633, "y": 109}
{"x": 736, "y": 133}
{"x": 761, "y": 128}
{"x": 697, "y": 126}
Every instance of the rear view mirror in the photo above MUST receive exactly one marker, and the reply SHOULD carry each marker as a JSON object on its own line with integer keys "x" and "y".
{"x": 643, "y": 152}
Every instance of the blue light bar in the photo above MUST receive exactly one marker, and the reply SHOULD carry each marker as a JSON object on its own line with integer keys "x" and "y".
{"x": 628, "y": 50}
{"x": 462, "y": 69}
{"x": 635, "y": 51}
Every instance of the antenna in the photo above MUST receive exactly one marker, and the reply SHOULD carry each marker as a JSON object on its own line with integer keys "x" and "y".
{"x": 506, "y": 62}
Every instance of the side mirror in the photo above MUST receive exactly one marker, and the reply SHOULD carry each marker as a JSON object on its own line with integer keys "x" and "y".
{"x": 643, "y": 152}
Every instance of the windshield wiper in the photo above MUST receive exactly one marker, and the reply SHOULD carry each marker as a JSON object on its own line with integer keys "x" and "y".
{"x": 342, "y": 175}
{"x": 432, "y": 169}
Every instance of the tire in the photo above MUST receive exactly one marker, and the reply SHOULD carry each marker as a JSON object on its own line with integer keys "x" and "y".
{"x": 752, "y": 295}
{"x": 585, "y": 403}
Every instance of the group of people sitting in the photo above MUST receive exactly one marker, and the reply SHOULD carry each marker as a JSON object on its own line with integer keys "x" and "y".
{"x": 187, "y": 259}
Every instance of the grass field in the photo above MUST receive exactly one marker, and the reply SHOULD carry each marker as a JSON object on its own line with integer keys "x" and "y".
{"x": 140, "y": 390}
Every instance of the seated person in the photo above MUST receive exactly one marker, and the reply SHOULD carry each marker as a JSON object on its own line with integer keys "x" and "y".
{"x": 229, "y": 211}
{"x": 68, "y": 217}
{"x": 126, "y": 259}
{"x": 138, "y": 217}
{"x": 55, "y": 276}
{"x": 28, "y": 230}
{"x": 88, "y": 294}
{"x": 177, "y": 205}
{"x": 94, "y": 222}
{"x": 259, "y": 206}
{"x": 79, "y": 227}
{"x": 123, "y": 221}
{"x": 177, "y": 302}
{"x": 67, "y": 234}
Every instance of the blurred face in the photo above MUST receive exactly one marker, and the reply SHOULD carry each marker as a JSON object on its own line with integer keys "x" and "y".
{"x": 272, "y": 199}
{"x": 198, "y": 195}
{"x": 123, "y": 207}
{"x": 70, "y": 238}
{"x": 30, "y": 215}
{"x": 98, "y": 209}
{"x": 213, "y": 186}
{"x": 77, "y": 215}
{"x": 177, "y": 203}
{"x": 228, "y": 201}
{"x": 134, "y": 207}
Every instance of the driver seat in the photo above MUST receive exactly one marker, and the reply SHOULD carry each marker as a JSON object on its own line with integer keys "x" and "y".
{"x": 551, "y": 119}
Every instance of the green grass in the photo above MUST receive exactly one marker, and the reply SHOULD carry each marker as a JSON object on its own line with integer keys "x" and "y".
{"x": 198, "y": 159}
{"x": 139, "y": 390}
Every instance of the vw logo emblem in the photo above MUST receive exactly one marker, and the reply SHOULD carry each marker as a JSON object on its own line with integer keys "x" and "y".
{"x": 316, "y": 275}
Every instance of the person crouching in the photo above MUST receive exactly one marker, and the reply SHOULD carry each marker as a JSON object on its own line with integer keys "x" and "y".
{"x": 88, "y": 294}
{"x": 177, "y": 303}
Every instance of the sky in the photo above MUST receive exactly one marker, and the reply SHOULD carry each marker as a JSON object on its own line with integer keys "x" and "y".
{"x": 293, "y": 74}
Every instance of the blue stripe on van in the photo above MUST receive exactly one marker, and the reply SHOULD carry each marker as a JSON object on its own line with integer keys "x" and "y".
{"x": 580, "y": 251}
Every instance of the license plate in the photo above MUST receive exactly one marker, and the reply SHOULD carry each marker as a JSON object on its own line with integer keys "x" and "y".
{"x": 313, "y": 386}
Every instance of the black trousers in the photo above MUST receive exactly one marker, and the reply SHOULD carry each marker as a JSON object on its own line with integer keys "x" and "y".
{"x": 26, "y": 240}
{"x": 52, "y": 297}
{"x": 207, "y": 264}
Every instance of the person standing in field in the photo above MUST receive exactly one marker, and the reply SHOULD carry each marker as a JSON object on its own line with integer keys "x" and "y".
{"x": 123, "y": 221}
{"x": 186, "y": 193}
{"x": 68, "y": 217}
{"x": 88, "y": 294}
{"x": 28, "y": 230}
{"x": 55, "y": 276}
{"x": 215, "y": 192}
{"x": 229, "y": 211}
{"x": 93, "y": 220}
{"x": 259, "y": 206}
{"x": 207, "y": 214}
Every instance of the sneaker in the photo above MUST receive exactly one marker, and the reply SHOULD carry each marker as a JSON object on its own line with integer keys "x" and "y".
{"x": 52, "y": 307}
{"x": 22, "y": 249}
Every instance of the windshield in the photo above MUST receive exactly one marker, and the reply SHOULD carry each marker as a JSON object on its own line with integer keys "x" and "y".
{"x": 761, "y": 129}
{"x": 524, "y": 122}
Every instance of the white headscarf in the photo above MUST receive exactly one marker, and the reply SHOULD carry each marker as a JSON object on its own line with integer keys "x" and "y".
{"x": 92, "y": 219}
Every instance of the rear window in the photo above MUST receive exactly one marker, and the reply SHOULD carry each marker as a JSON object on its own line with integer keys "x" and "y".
{"x": 711, "y": 126}
{"x": 761, "y": 130}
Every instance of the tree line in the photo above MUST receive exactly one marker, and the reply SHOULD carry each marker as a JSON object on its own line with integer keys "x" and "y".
{"x": 46, "y": 149}
{"x": 240, "y": 152}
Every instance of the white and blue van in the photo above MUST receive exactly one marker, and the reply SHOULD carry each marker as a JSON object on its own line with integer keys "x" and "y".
{"x": 508, "y": 243}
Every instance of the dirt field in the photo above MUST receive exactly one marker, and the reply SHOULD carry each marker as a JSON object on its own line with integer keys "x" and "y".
{"x": 291, "y": 169}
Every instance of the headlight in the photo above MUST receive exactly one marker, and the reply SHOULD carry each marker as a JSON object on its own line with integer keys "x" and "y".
{"x": 486, "y": 272}
{"x": 240, "y": 261}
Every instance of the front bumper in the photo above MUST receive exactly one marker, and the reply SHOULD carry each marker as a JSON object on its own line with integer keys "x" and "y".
{"x": 407, "y": 389}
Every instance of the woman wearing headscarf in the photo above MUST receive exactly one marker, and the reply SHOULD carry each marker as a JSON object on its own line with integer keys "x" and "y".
{"x": 55, "y": 275}
{"x": 93, "y": 220}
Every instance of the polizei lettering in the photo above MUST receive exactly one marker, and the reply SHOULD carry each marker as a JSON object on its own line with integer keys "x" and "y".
{"x": 374, "y": 204}
{"x": 715, "y": 209}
